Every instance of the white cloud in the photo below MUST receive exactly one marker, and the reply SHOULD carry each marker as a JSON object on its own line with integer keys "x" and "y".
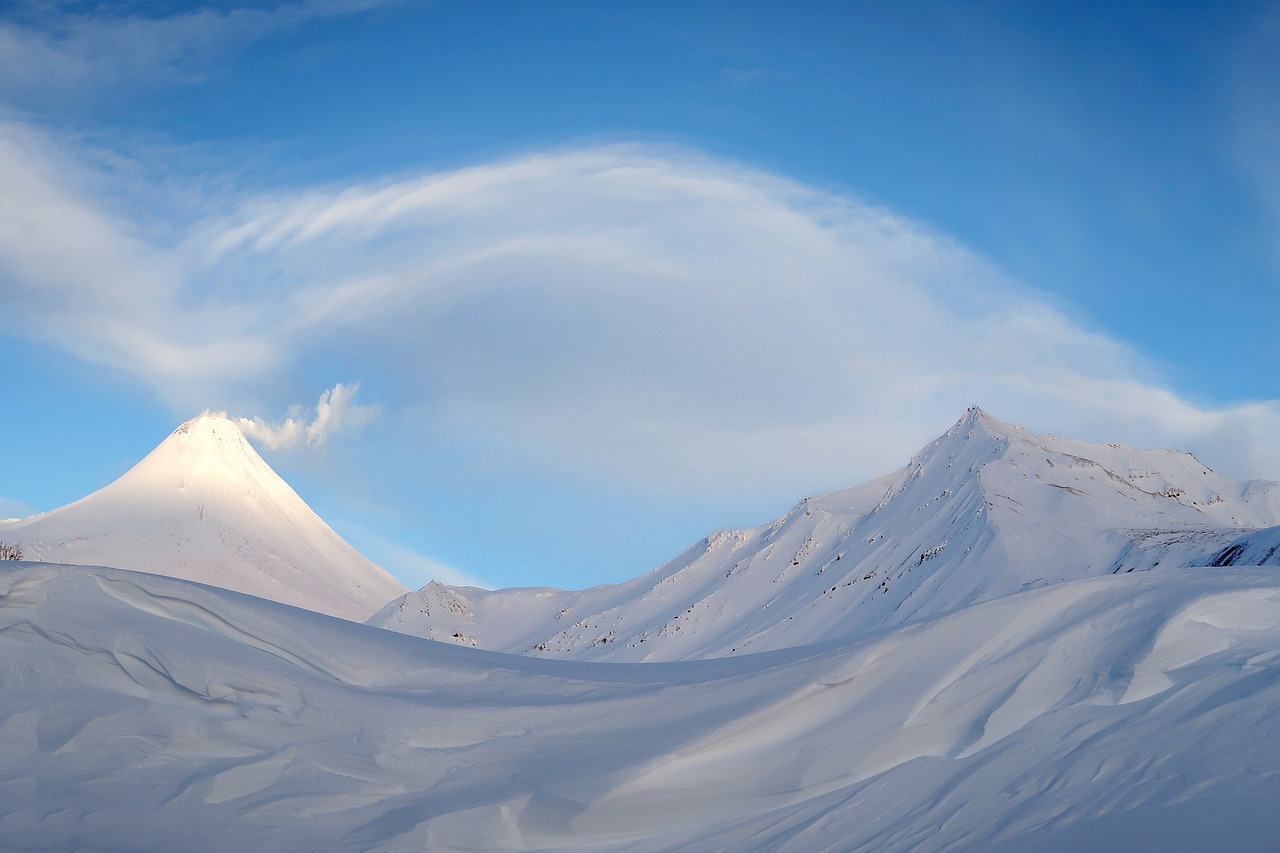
{"x": 641, "y": 316}
{"x": 76, "y": 274}
{"x": 335, "y": 413}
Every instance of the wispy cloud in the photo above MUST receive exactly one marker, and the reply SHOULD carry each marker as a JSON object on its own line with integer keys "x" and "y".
{"x": 75, "y": 273}
{"x": 53, "y": 50}
{"x": 1254, "y": 96}
{"x": 417, "y": 570}
{"x": 411, "y": 566}
{"x": 647, "y": 317}
{"x": 11, "y": 509}
{"x": 335, "y": 413}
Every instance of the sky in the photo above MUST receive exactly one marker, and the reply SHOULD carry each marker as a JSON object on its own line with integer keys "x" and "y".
{"x": 543, "y": 293}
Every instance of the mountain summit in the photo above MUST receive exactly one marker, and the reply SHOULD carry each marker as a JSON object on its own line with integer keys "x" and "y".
{"x": 986, "y": 509}
{"x": 204, "y": 506}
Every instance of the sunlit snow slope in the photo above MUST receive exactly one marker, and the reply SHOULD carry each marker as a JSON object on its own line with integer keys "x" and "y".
{"x": 205, "y": 506}
{"x": 1126, "y": 712}
{"x": 987, "y": 509}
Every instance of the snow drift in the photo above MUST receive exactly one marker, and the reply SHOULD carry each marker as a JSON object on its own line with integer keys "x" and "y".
{"x": 1124, "y": 712}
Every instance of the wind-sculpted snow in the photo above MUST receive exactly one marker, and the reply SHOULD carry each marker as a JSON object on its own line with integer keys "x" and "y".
{"x": 1134, "y": 711}
{"x": 204, "y": 506}
{"x": 971, "y": 653}
{"x": 985, "y": 510}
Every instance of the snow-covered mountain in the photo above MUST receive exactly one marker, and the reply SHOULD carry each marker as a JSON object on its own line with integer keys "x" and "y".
{"x": 1130, "y": 712}
{"x": 987, "y": 509}
{"x": 204, "y": 506}
{"x": 1029, "y": 685}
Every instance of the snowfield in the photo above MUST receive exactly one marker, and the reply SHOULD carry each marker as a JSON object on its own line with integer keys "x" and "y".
{"x": 148, "y": 713}
{"x": 1015, "y": 643}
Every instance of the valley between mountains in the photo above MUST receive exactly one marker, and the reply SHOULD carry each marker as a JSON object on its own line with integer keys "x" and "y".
{"x": 1013, "y": 643}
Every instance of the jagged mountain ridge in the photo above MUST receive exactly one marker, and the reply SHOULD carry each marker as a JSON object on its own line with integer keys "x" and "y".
{"x": 204, "y": 506}
{"x": 985, "y": 510}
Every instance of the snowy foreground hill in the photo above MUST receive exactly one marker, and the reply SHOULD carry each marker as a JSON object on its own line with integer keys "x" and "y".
{"x": 204, "y": 506}
{"x": 987, "y": 509}
{"x": 1128, "y": 712}
{"x": 1016, "y": 643}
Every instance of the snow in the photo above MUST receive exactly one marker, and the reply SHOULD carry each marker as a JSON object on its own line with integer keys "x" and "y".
{"x": 987, "y": 509}
{"x": 205, "y": 506}
{"x": 1014, "y": 643}
{"x": 147, "y": 713}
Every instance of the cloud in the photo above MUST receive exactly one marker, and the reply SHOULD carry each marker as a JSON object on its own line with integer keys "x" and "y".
{"x": 75, "y": 274}
{"x": 641, "y": 316}
{"x": 335, "y": 413}
{"x": 61, "y": 50}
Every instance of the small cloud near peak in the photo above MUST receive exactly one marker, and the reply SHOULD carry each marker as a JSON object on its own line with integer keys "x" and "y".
{"x": 335, "y": 412}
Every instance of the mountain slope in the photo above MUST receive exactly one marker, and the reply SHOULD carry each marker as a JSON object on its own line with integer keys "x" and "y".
{"x": 985, "y": 510}
{"x": 1123, "y": 712}
{"x": 204, "y": 506}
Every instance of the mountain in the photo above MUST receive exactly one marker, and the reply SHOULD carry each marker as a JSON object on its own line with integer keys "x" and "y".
{"x": 991, "y": 649}
{"x": 1129, "y": 712}
{"x": 985, "y": 510}
{"x": 1258, "y": 548}
{"x": 205, "y": 507}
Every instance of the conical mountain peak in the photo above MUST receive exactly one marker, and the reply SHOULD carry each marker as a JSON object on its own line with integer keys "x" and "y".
{"x": 212, "y": 429}
{"x": 208, "y": 452}
{"x": 211, "y": 426}
{"x": 205, "y": 506}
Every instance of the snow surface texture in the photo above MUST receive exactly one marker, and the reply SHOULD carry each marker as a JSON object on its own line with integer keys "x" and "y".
{"x": 204, "y": 506}
{"x": 987, "y": 509}
{"x": 973, "y": 653}
{"x": 1126, "y": 712}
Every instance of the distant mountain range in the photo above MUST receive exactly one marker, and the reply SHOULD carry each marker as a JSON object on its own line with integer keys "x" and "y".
{"x": 987, "y": 509}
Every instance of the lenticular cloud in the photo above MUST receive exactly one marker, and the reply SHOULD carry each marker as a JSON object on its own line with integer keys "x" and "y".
{"x": 634, "y": 314}
{"x": 654, "y": 316}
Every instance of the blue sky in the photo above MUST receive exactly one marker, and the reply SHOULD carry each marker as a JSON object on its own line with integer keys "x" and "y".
{"x": 552, "y": 290}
